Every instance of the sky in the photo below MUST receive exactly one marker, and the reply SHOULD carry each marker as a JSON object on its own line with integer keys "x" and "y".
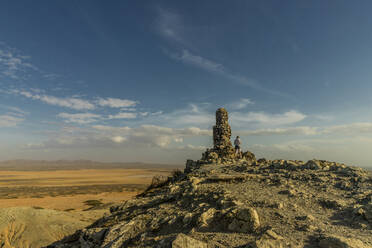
{"x": 141, "y": 80}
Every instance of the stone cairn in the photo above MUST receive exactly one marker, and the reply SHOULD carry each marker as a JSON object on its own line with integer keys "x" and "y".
{"x": 223, "y": 150}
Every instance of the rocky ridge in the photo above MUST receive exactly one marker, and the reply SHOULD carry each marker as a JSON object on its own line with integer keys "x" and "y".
{"x": 224, "y": 201}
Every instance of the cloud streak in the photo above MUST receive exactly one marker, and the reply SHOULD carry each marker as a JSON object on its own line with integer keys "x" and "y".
{"x": 171, "y": 26}
{"x": 110, "y": 136}
{"x": 69, "y": 102}
{"x": 285, "y": 118}
{"x": 10, "y": 121}
{"x": 240, "y": 104}
{"x": 123, "y": 115}
{"x": 80, "y": 118}
{"x": 211, "y": 66}
{"x": 12, "y": 64}
{"x": 116, "y": 103}
{"x": 357, "y": 128}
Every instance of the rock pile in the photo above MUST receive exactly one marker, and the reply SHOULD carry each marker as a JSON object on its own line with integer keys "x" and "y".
{"x": 223, "y": 150}
{"x": 268, "y": 203}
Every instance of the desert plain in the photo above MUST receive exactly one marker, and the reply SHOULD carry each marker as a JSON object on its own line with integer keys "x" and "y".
{"x": 61, "y": 197}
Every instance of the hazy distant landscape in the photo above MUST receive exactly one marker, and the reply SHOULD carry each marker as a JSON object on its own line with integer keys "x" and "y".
{"x": 39, "y": 165}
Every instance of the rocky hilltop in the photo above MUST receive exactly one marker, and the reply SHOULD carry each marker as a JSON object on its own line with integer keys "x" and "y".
{"x": 225, "y": 201}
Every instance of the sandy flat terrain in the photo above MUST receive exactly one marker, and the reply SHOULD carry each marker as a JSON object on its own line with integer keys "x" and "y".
{"x": 69, "y": 189}
{"x": 77, "y": 177}
{"x": 55, "y": 203}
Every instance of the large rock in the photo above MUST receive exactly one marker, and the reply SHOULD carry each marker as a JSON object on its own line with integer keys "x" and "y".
{"x": 244, "y": 220}
{"x": 184, "y": 241}
{"x": 312, "y": 165}
{"x": 207, "y": 217}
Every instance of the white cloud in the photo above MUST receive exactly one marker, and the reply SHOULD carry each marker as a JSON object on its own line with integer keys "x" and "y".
{"x": 199, "y": 61}
{"x": 15, "y": 111}
{"x": 323, "y": 117}
{"x": 240, "y": 104}
{"x": 337, "y": 130}
{"x": 107, "y": 136}
{"x": 9, "y": 121}
{"x": 118, "y": 139}
{"x": 123, "y": 115}
{"x": 51, "y": 76}
{"x": 170, "y": 25}
{"x": 80, "y": 118}
{"x": 116, "y": 102}
{"x": 13, "y": 64}
{"x": 288, "y": 117}
{"x": 70, "y": 102}
{"x": 211, "y": 66}
{"x": 192, "y": 115}
{"x": 348, "y": 129}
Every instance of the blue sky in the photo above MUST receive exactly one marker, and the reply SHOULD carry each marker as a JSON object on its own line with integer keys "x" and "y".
{"x": 140, "y": 80}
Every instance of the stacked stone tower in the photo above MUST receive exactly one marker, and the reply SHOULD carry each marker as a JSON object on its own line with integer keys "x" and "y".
{"x": 222, "y": 130}
{"x": 222, "y": 148}
{"x": 222, "y": 135}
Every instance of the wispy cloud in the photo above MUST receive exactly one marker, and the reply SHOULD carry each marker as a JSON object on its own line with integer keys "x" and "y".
{"x": 198, "y": 61}
{"x": 51, "y": 76}
{"x": 192, "y": 115}
{"x": 303, "y": 130}
{"x": 349, "y": 129}
{"x": 214, "y": 67}
{"x": 116, "y": 102}
{"x": 14, "y": 110}
{"x": 68, "y": 102}
{"x": 12, "y": 117}
{"x": 123, "y": 115}
{"x": 109, "y": 136}
{"x": 80, "y": 118}
{"x": 352, "y": 129}
{"x": 10, "y": 121}
{"x": 13, "y": 64}
{"x": 288, "y": 117}
{"x": 240, "y": 104}
{"x": 170, "y": 25}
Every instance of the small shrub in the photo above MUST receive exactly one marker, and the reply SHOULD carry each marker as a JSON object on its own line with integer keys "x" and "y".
{"x": 37, "y": 207}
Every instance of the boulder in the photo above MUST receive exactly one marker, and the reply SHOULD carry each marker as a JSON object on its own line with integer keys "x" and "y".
{"x": 244, "y": 220}
{"x": 207, "y": 217}
{"x": 249, "y": 156}
{"x": 312, "y": 165}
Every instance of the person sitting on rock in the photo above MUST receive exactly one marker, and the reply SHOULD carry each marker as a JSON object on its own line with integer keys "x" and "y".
{"x": 237, "y": 146}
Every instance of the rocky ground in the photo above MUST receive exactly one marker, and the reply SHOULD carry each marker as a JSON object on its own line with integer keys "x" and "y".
{"x": 262, "y": 203}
